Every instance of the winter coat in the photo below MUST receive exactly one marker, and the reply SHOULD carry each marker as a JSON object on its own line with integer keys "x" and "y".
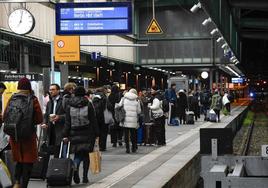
{"x": 215, "y": 105}
{"x": 182, "y": 104}
{"x": 26, "y": 151}
{"x": 82, "y": 138}
{"x": 156, "y": 107}
{"x": 54, "y": 131}
{"x": 171, "y": 96}
{"x": 132, "y": 108}
{"x": 146, "y": 116}
{"x": 225, "y": 99}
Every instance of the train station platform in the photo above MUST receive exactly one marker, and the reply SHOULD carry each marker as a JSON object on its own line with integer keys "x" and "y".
{"x": 175, "y": 165}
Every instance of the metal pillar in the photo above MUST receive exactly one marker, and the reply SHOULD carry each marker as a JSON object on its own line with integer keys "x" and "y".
{"x": 24, "y": 59}
{"x": 217, "y": 78}
{"x": 64, "y": 74}
{"x": 211, "y": 79}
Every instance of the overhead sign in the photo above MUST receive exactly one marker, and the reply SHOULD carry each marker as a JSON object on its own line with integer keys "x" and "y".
{"x": 93, "y": 18}
{"x": 17, "y": 77}
{"x": 237, "y": 80}
{"x": 67, "y": 48}
{"x": 154, "y": 28}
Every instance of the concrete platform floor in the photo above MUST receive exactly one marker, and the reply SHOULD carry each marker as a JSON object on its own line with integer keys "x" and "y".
{"x": 126, "y": 170}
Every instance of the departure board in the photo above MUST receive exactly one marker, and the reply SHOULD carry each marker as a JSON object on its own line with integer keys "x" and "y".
{"x": 93, "y": 18}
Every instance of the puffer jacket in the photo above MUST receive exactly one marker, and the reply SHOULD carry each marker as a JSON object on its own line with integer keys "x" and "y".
{"x": 133, "y": 109}
{"x": 82, "y": 138}
{"x": 156, "y": 107}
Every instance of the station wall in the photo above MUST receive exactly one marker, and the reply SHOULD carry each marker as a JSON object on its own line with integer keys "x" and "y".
{"x": 45, "y": 29}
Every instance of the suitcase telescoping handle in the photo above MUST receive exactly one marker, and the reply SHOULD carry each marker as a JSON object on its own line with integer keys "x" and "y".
{"x": 61, "y": 149}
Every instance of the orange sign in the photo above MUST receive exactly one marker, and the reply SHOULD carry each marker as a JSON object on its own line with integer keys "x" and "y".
{"x": 154, "y": 28}
{"x": 67, "y": 48}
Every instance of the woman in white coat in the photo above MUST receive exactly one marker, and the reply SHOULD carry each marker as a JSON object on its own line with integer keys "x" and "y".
{"x": 132, "y": 107}
{"x": 226, "y": 102}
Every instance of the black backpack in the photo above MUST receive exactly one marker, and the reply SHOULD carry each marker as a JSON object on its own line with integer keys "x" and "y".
{"x": 99, "y": 106}
{"x": 165, "y": 105}
{"x": 18, "y": 120}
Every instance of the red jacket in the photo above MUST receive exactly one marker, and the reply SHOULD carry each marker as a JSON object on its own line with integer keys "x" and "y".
{"x": 26, "y": 151}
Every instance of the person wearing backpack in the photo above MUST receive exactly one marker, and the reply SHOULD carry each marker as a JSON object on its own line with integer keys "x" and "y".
{"x": 24, "y": 144}
{"x": 132, "y": 107}
{"x": 4, "y": 144}
{"x": 68, "y": 94}
{"x": 54, "y": 119}
{"x": 81, "y": 129}
{"x": 99, "y": 102}
{"x": 216, "y": 103}
{"x": 158, "y": 116}
{"x": 115, "y": 130}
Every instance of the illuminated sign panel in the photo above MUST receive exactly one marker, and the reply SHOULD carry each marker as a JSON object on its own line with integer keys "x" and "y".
{"x": 93, "y": 18}
{"x": 237, "y": 80}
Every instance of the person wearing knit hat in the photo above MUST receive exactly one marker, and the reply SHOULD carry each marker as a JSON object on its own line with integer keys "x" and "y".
{"x": 81, "y": 129}
{"x": 24, "y": 151}
{"x": 132, "y": 107}
{"x": 24, "y": 84}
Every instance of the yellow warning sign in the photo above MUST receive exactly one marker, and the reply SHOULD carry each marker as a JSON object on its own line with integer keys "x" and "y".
{"x": 154, "y": 28}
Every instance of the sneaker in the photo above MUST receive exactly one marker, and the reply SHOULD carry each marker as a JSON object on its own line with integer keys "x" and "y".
{"x": 114, "y": 145}
{"x": 76, "y": 177}
{"x": 127, "y": 151}
{"x": 120, "y": 143}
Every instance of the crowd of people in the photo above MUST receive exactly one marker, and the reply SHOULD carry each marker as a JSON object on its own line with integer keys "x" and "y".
{"x": 87, "y": 117}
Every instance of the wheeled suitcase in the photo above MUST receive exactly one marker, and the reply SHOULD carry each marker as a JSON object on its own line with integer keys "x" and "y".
{"x": 149, "y": 133}
{"x": 40, "y": 167}
{"x": 189, "y": 117}
{"x": 140, "y": 135}
{"x": 212, "y": 116}
{"x": 60, "y": 170}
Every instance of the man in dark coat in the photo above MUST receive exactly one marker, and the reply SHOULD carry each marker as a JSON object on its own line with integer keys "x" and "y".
{"x": 182, "y": 105}
{"x": 171, "y": 96}
{"x": 116, "y": 131}
{"x": 54, "y": 119}
{"x": 81, "y": 130}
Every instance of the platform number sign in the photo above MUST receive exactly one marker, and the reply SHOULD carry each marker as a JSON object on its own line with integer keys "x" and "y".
{"x": 264, "y": 149}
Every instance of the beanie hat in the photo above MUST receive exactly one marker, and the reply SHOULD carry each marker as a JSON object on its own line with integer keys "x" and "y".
{"x": 24, "y": 84}
{"x": 133, "y": 91}
{"x": 79, "y": 91}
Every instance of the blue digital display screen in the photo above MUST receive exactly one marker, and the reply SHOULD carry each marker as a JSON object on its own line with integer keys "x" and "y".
{"x": 93, "y": 18}
{"x": 237, "y": 80}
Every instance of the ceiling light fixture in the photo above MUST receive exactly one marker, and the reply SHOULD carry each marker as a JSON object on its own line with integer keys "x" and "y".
{"x": 225, "y": 45}
{"x": 214, "y": 31}
{"x": 206, "y": 21}
{"x": 219, "y": 39}
{"x": 196, "y": 7}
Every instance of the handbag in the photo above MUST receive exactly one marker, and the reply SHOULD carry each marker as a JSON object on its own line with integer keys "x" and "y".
{"x": 108, "y": 117}
{"x": 95, "y": 160}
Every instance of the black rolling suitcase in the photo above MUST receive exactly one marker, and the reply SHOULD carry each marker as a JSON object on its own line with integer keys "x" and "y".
{"x": 60, "y": 170}
{"x": 40, "y": 167}
{"x": 189, "y": 117}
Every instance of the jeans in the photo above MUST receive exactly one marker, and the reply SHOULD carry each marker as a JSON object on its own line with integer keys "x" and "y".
{"x": 78, "y": 158}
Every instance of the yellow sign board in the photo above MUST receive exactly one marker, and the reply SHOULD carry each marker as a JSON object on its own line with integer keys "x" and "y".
{"x": 67, "y": 48}
{"x": 154, "y": 28}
